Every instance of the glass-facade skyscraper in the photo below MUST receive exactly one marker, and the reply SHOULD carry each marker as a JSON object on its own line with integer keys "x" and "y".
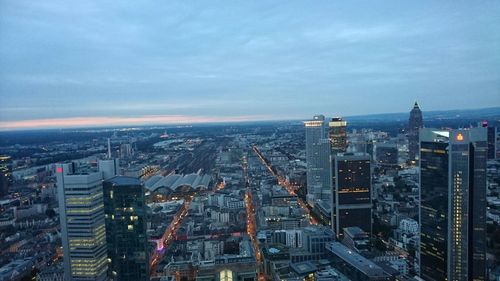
{"x": 318, "y": 160}
{"x": 352, "y": 192}
{"x": 127, "y": 243}
{"x": 337, "y": 133}
{"x": 5, "y": 174}
{"x": 453, "y": 204}
{"x": 81, "y": 211}
{"x": 492, "y": 142}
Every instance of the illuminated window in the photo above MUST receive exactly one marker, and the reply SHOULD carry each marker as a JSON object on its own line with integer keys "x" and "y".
{"x": 130, "y": 227}
{"x": 226, "y": 275}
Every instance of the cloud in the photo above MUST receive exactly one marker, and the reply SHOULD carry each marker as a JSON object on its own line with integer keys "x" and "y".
{"x": 105, "y": 58}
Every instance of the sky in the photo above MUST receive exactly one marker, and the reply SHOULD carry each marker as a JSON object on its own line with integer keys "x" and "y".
{"x": 87, "y": 63}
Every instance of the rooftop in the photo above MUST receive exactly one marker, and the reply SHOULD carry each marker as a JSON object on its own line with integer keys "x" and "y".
{"x": 124, "y": 180}
{"x": 354, "y": 231}
{"x": 303, "y": 267}
{"x": 173, "y": 181}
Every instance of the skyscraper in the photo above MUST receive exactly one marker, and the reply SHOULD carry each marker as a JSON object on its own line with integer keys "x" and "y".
{"x": 81, "y": 212}
{"x": 318, "y": 160}
{"x": 109, "y": 167}
{"x": 5, "y": 174}
{"x": 415, "y": 124}
{"x": 127, "y": 243}
{"x": 453, "y": 204}
{"x": 352, "y": 192}
{"x": 337, "y": 132}
{"x": 492, "y": 142}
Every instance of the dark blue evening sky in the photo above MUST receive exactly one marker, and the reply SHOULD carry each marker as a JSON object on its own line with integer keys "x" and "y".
{"x": 223, "y": 60}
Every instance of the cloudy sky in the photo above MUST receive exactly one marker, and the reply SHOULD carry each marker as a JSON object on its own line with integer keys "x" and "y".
{"x": 66, "y": 63}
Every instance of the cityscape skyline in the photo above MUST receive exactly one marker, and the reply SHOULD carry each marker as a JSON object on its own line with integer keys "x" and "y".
{"x": 249, "y": 141}
{"x": 255, "y": 202}
{"x": 94, "y": 63}
{"x": 181, "y": 120}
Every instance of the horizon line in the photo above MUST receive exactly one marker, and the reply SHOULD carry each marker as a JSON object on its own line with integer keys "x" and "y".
{"x": 159, "y": 120}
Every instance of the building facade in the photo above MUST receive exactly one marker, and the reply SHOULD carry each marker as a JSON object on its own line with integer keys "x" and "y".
{"x": 318, "y": 160}
{"x": 352, "y": 192}
{"x": 386, "y": 154}
{"x": 453, "y": 204}
{"x": 127, "y": 243}
{"x": 492, "y": 142}
{"x": 337, "y": 133}
{"x": 5, "y": 174}
{"x": 83, "y": 234}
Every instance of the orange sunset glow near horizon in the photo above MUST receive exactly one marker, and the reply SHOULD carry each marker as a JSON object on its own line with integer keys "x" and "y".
{"x": 104, "y": 121}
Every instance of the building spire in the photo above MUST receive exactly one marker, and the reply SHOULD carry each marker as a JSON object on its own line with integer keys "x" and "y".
{"x": 416, "y": 105}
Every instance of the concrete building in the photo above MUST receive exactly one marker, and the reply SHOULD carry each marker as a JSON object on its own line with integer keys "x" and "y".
{"x": 109, "y": 168}
{"x": 408, "y": 226}
{"x": 81, "y": 211}
{"x": 356, "y": 239}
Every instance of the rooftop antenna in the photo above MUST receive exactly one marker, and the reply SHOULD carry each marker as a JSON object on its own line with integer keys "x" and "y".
{"x": 109, "y": 148}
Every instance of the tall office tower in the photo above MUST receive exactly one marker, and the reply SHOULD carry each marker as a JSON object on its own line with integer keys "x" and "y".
{"x": 416, "y": 122}
{"x": 318, "y": 160}
{"x": 352, "y": 192}
{"x": 125, "y": 213}
{"x": 453, "y": 204}
{"x": 337, "y": 132}
{"x": 81, "y": 212}
{"x": 492, "y": 142}
{"x": 5, "y": 174}
{"x": 126, "y": 150}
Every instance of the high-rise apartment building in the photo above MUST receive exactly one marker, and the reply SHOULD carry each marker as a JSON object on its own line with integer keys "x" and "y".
{"x": 415, "y": 123}
{"x": 127, "y": 243}
{"x": 453, "y": 204}
{"x": 352, "y": 192}
{"x": 318, "y": 160}
{"x": 81, "y": 212}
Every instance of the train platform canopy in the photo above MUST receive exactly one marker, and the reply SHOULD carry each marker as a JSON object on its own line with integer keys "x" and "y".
{"x": 176, "y": 181}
